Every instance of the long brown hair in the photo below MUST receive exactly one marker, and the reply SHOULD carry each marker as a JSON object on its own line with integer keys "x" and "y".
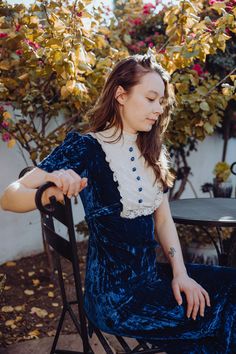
{"x": 106, "y": 113}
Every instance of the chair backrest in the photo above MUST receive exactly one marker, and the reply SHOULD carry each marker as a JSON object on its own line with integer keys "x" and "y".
{"x": 65, "y": 248}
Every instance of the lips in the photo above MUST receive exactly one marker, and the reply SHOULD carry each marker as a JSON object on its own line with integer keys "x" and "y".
{"x": 152, "y": 120}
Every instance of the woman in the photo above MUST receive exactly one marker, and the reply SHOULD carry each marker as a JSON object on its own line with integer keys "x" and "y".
{"x": 119, "y": 167}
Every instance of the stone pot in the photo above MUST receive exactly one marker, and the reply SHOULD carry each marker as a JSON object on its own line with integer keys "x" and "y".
{"x": 222, "y": 189}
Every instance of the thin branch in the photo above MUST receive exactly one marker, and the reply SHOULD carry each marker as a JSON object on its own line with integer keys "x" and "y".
{"x": 220, "y": 82}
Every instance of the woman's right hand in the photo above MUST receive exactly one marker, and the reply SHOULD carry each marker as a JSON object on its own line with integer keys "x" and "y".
{"x": 67, "y": 183}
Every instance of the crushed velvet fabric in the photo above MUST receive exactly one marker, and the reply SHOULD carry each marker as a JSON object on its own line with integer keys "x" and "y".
{"x": 127, "y": 292}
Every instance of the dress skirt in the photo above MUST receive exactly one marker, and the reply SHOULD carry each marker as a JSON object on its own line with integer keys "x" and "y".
{"x": 129, "y": 293}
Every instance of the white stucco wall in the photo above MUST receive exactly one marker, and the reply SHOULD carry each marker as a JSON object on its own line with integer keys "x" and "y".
{"x": 20, "y": 234}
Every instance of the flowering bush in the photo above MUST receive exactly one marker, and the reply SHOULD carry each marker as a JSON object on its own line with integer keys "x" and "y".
{"x": 222, "y": 171}
{"x": 188, "y": 39}
{"x": 54, "y": 59}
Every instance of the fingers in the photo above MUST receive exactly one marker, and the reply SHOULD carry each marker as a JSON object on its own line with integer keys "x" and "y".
{"x": 68, "y": 181}
{"x": 197, "y": 300}
{"x": 207, "y": 297}
{"x": 190, "y": 302}
{"x": 177, "y": 294}
{"x": 196, "y": 305}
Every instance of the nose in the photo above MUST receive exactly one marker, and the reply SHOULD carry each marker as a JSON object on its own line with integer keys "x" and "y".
{"x": 158, "y": 109}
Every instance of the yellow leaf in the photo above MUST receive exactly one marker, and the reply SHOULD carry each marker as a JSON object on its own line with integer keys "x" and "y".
{"x": 23, "y": 76}
{"x": 51, "y": 315}
{"x": 70, "y": 85}
{"x": 7, "y": 309}
{"x": 55, "y": 304}
{"x": 19, "y": 308}
{"x": 10, "y": 264}
{"x": 11, "y": 143}
{"x": 50, "y": 294}
{"x": 34, "y": 334}
{"x": 36, "y": 282}
{"x": 204, "y": 106}
{"x": 29, "y": 292}
{"x": 30, "y": 274}
{"x": 39, "y": 312}
{"x": 6, "y": 115}
{"x": 9, "y": 323}
{"x": 64, "y": 92}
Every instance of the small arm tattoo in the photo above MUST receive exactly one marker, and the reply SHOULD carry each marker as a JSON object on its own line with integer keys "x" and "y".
{"x": 172, "y": 251}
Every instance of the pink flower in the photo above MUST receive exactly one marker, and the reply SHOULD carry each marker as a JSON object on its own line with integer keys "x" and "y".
{"x": 150, "y": 45}
{"x": 141, "y": 43}
{"x": 3, "y": 35}
{"x": 80, "y": 14}
{"x": 5, "y": 124}
{"x": 149, "y": 6}
{"x": 34, "y": 45}
{"x": 227, "y": 31}
{"x": 198, "y": 69}
{"x": 6, "y": 137}
{"x": 19, "y": 52}
{"x": 18, "y": 27}
{"x": 137, "y": 21}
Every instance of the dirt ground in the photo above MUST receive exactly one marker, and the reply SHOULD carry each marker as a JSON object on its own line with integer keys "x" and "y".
{"x": 30, "y": 304}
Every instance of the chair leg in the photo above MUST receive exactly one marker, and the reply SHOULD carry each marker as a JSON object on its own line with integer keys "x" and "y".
{"x": 85, "y": 341}
{"x": 103, "y": 341}
{"x": 59, "y": 327}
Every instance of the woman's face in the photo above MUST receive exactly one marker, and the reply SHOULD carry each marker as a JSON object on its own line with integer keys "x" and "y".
{"x": 141, "y": 107}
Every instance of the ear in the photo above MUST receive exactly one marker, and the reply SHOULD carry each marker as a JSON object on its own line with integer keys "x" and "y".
{"x": 120, "y": 95}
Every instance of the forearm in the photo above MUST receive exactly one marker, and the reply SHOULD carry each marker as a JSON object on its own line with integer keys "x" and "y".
{"x": 169, "y": 240}
{"x": 18, "y": 198}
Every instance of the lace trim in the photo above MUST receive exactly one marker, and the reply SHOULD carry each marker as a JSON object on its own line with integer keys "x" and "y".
{"x": 131, "y": 214}
{"x": 126, "y": 212}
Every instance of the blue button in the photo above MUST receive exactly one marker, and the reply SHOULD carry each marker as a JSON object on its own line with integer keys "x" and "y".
{"x": 131, "y": 149}
{"x": 134, "y": 169}
{"x": 132, "y": 159}
{"x": 140, "y": 189}
{"x": 138, "y": 178}
{"x": 140, "y": 200}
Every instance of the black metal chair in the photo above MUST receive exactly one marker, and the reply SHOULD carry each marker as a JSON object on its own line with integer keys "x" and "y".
{"x": 67, "y": 248}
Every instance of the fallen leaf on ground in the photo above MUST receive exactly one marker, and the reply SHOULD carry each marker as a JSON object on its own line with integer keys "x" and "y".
{"x": 10, "y": 264}
{"x": 39, "y": 312}
{"x": 34, "y": 334}
{"x": 36, "y": 282}
{"x": 19, "y": 308}
{"x": 50, "y": 294}
{"x": 7, "y": 309}
{"x": 30, "y": 274}
{"x": 29, "y": 292}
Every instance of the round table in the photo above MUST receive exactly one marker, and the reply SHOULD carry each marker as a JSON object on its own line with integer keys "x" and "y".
{"x": 205, "y": 212}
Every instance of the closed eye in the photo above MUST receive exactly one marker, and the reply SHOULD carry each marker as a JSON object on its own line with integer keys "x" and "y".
{"x": 150, "y": 99}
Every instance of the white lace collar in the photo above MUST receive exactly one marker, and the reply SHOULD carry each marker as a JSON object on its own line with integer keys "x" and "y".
{"x": 139, "y": 194}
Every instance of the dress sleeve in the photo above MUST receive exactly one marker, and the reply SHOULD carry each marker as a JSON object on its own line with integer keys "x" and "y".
{"x": 71, "y": 154}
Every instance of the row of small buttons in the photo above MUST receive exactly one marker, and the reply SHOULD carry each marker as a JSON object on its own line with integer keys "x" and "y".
{"x": 138, "y": 177}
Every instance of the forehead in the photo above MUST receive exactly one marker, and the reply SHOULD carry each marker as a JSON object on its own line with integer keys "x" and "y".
{"x": 151, "y": 82}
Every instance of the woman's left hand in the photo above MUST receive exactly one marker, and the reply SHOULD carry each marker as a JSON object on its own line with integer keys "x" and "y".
{"x": 197, "y": 297}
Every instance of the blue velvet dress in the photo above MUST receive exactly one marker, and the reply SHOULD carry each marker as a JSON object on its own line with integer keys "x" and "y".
{"x": 127, "y": 291}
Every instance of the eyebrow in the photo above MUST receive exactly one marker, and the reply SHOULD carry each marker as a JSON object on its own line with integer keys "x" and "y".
{"x": 156, "y": 93}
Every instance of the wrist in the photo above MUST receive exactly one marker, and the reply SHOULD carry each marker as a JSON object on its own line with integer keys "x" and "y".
{"x": 179, "y": 271}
